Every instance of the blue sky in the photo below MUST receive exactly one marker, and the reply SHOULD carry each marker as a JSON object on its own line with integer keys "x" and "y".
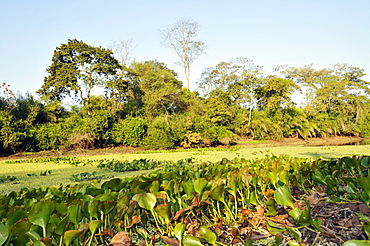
{"x": 270, "y": 32}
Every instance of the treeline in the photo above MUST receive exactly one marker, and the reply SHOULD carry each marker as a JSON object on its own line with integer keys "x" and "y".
{"x": 144, "y": 104}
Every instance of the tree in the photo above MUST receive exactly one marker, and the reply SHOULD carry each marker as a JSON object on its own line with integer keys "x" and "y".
{"x": 237, "y": 77}
{"x": 77, "y": 68}
{"x": 153, "y": 88}
{"x": 122, "y": 50}
{"x": 275, "y": 93}
{"x": 180, "y": 38}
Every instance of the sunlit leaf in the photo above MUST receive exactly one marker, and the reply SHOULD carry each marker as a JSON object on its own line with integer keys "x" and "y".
{"x": 40, "y": 214}
{"x": 189, "y": 240}
{"x": 207, "y": 234}
{"x": 199, "y": 185}
{"x": 71, "y": 235}
{"x": 4, "y": 233}
{"x": 217, "y": 193}
{"x": 147, "y": 201}
{"x": 179, "y": 231}
{"x": 365, "y": 184}
{"x": 357, "y": 243}
{"x": 283, "y": 196}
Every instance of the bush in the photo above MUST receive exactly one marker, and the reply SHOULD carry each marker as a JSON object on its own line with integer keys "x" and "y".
{"x": 165, "y": 132}
{"x": 129, "y": 132}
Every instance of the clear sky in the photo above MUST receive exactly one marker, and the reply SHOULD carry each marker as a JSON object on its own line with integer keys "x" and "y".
{"x": 270, "y": 32}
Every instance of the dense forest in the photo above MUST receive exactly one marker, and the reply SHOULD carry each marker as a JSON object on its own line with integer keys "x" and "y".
{"x": 90, "y": 99}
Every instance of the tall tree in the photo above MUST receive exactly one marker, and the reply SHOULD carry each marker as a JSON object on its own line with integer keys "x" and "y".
{"x": 238, "y": 77}
{"x": 122, "y": 50}
{"x": 153, "y": 88}
{"x": 181, "y": 38}
{"x": 77, "y": 68}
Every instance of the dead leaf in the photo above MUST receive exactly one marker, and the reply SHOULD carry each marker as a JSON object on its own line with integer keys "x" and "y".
{"x": 122, "y": 238}
{"x": 170, "y": 241}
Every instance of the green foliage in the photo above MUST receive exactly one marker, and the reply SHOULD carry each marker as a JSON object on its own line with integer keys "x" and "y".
{"x": 125, "y": 166}
{"x": 185, "y": 197}
{"x": 129, "y": 132}
{"x": 78, "y": 68}
{"x": 165, "y": 133}
{"x": 86, "y": 176}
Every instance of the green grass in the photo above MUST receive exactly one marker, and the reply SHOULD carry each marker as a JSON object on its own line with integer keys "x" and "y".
{"x": 61, "y": 173}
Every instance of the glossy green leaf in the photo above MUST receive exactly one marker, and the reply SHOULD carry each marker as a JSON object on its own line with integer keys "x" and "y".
{"x": 207, "y": 234}
{"x": 40, "y": 214}
{"x": 271, "y": 208}
{"x": 283, "y": 196}
{"x": 305, "y": 217}
{"x": 107, "y": 206}
{"x": 15, "y": 214}
{"x": 94, "y": 225}
{"x": 147, "y": 201}
{"x": 74, "y": 212}
{"x": 189, "y": 240}
{"x": 188, "y": 188}
{"x": 179, "y": 231}
{"x": 71, "y": 235}
{"x": 357, "y": 243}
{"x": 295, "y": 213}
{"x": 218, "y": 192}
{"x": 93, "y": 209}
{"x": 365, "y": 184}
{"x": 154, "y": 187}
{"x": 4, "y": 233}
{"x": 199, "y": 185}
{"x": 274, "y": 228}
{"x": 61, "y": 227}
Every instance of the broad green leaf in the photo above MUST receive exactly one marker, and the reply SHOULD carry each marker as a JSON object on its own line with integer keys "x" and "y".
{"x": 147, "y": 201}
{"x": 365, "y": 184}
{"x": 316, "y": 223}
{"x": 40, "y": 214}
{"x": 271, "y": 208}
{"x": 179, "y": 231}
{"x": 61, "y": 227}
{"x": 207, "y": 234}
{"x": 113, "y": 184}
{"x": 71, "y": 235}
{"x": 93, "y": 209}
{"x": 295, "y": 213}
{"x": 21, "y": 227}
{"x": 74, "y": 213}
{"x": 94, "y": 225}
{"x": 154, "y": 187}
{"x": 217, "y": 193}
{"x": 357, "y": 243}
{"x": 15, "y": 214}
{"x": 305, "y": 217}
{"x": 199, "y": 185}
{"x": 274, "y": 228}
{"x": 188, "y": 188}
{"x": 4, "y": 233}
{"x": 189, "y": 240}
{"x": 283, "y": 196}
{"x": 107, "y": 206}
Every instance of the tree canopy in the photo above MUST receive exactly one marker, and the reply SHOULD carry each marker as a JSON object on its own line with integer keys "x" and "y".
{"x": 77, "y": 69}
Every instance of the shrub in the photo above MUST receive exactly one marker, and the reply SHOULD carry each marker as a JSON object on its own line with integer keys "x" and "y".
{"x": 129, "y": 132}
